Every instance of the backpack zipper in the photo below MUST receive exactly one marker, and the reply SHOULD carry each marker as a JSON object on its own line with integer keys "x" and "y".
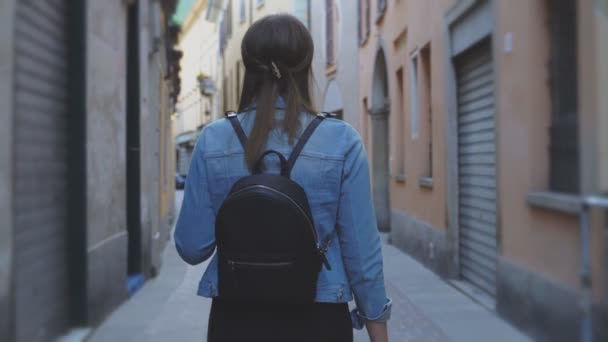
{"x": 320, "y": 249}
{"x": 233, "y": 264}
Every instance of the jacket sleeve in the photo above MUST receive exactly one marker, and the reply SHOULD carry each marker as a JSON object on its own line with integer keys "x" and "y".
{"x": 195, "y": 230}
{"x": 359, "y": 238}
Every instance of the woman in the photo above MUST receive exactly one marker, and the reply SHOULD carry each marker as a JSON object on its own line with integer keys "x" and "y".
{"x": 333, "y": 170}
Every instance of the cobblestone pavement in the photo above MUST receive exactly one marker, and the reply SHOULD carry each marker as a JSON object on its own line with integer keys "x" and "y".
{"x": 425, "y": 308}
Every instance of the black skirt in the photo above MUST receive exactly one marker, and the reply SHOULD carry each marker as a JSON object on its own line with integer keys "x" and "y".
{"x": 316, "y": 322}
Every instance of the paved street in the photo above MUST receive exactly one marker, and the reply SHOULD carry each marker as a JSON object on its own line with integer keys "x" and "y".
{"x": 425, "y": 307}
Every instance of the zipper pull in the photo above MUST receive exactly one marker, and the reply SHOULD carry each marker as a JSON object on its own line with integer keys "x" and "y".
{"x": 326, "y": 262}
{"x": 324, "y": 259}
{"x": 322, "y": 251}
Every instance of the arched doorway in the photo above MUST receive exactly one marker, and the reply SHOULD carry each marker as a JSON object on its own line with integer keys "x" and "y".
{"x": 380, "y": 142}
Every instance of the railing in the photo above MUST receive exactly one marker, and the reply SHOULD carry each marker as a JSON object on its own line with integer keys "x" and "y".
{"x": 587, "y": 203}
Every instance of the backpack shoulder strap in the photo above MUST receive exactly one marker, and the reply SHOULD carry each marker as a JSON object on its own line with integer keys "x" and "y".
{"x": 236, "y": 125}
{"x": 303, "y": 140}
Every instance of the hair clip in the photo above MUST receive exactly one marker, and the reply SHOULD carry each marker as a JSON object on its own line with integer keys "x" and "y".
{"x": 275, "y": 70}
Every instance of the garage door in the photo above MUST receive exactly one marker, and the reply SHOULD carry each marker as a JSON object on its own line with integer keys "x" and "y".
{"x": 477, "y": 168}
{"x": 41, "y": 288}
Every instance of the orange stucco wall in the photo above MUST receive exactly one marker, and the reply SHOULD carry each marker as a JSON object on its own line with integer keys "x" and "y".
{"x": 405, "y": 27}
{"x": 542, "y": 241}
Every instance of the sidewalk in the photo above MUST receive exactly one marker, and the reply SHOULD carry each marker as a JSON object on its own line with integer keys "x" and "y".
{"x": 425, "y": 308}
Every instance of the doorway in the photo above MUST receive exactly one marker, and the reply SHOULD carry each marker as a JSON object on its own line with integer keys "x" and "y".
{"x": 135, "y": 266}
{"x": 380, "y": 142}
{"x": 477, "y": 167}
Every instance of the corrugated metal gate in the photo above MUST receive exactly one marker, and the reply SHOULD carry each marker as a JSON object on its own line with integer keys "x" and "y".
{"x": 477, "y": 168}
{"x": 41, "y": 279}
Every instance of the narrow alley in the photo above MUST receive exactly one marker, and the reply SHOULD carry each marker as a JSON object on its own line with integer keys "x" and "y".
{"x": 483, "y": 125}
{"x": 425, "y": 307}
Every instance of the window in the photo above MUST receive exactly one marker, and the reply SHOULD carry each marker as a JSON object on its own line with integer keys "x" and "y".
{"x": 414, "y": 115}
{"x": 329, "y": 32}
{"x": 202, "y": 107}
{"x": 381, "y": 8}
{"x": 368, "y": 17}
{"x": 425, "y": 59}
{"x": 563, "y": 155}
{"x": 242, "y": 12}
{"x": 363, "y": 20}
{"x": 223, "y": 39}
{"x": 259, "y": 2}
{"x": 229, "y": 20}
{"x": 400, "y": 123}
{"x": 208, "y": 109}
{"x": 302, "y": 11}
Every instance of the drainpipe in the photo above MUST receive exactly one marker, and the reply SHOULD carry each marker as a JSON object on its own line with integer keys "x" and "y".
{"x": 588, "y": 202}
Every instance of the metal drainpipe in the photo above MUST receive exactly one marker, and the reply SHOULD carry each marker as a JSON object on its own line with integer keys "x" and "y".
{"x": 588, "y": 202}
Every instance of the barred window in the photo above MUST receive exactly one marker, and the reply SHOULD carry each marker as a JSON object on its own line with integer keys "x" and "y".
{"x": 564, "y": 144}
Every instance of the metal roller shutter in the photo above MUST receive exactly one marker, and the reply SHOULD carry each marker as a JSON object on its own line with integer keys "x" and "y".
{"x": 41, "y": 281}
{"x": 477, "y": 168}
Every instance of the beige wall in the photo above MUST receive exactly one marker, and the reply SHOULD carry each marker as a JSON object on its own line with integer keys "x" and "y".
{"x": 232, "y": 53}
{"x": 167, "y": 149}
{"x": 198, "y": 41}
{"x": 338, "y": 89}
{"x": 407, "y": 26}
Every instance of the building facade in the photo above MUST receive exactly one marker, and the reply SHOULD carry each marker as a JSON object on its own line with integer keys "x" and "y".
{"x": 200, "y": 71}
{"x": 336, "y": 62}
{"x": 86, "y": 89}
{"x": 237, "y": 16}
{"x": 486, "y": 124}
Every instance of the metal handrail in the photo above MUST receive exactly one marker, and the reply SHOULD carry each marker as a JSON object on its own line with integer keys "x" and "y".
{"x": 587, "y": 202}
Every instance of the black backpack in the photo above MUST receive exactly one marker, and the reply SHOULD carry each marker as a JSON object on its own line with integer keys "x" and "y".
{"x": 267, "y": 245}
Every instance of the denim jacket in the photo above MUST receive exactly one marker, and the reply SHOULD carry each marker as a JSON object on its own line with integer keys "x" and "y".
{"x": 333, "y": 170}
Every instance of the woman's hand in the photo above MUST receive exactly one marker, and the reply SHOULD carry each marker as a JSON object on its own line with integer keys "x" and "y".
{"x": 377, "y": 331}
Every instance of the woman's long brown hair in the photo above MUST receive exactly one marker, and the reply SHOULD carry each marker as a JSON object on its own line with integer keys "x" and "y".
{"x": 277, "y": 52}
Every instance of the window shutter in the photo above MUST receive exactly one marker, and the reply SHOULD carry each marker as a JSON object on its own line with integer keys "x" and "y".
{"x": 222, "y": 36}
{"x": 381, "y": 8}
{"x": 329, "y": 14}
{"x": 359, "y": 22}
{"x": 229, "y": 20}
{"x": 367, "y": 17}
{"x": 242, "y": 10}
